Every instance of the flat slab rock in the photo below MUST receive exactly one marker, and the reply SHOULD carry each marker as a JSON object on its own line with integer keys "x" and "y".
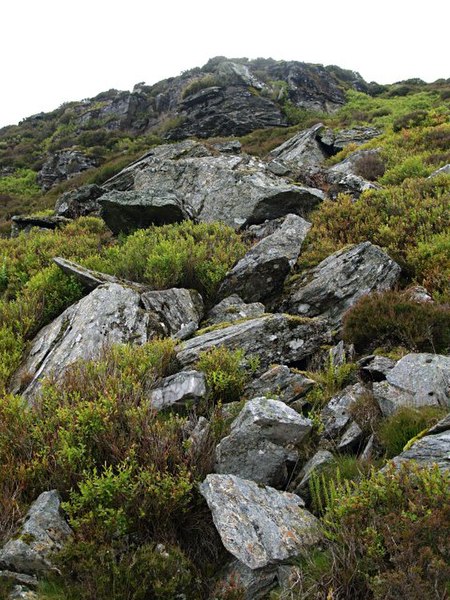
{"x": 44, "y": 531}
{"x": 332, "y": 287}
{"x": 272, "y": 338}
{"x": 179, "y": 389}
{"x": 416, "y": 380}
{"x": 279, "y": 383}
{"x": 262, "y": 271}
{"x": 259, "y": 526}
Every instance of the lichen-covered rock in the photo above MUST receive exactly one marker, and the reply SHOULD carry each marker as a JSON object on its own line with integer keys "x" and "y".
{"x": 168, "y": 186}
{"x": 302, "y": 149}
{"x": 431, "y": 449}
{"x": 90, "y": 279}
{"x": 254, "y": 584}
{"x": 261, "y": 272}
{"x": 332, "y": 287}
{"x": 262, "y": 440}
{"x": 375, "y": 368}
{"x": 336, "y": 416}
{"x": 80, "y": 202}
{"x": 44, "y": 532}
{"x": 233, "y": 308}
{"x": 416, "y": 380}
{"x": 314, "y": 465}
{"x": 25, "y": 223}
{"x": 178, "y": 390}
{"x": 271, "y": 338}
{"x": 279, "y": 383}
{"x": 259, "y": 526}
{"x": 63, "y": 165}
{"x": 179, "y": 311}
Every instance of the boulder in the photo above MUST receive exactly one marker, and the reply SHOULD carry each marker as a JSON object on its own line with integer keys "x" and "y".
{"x": 334, "y": 286}
{"x": 375, "y": 368}
{"x": 167, "y": 186}
{"x": 80, "y": 202}
{"x": 261, "y": 272}
{"x": 178, "y": 310}
{"x": 271, "y": 338}
{"x": 258, "y": 525}
{"x": 431, "y": 449}
{"x": 279, "y": 383}
{"x": 335, "y": 415}
{"x": 262, "y": 441}
{"x": 253, "y": 584}
{"x": 44, "y": 532}
{"x": 416, "y": 380}
{"x": 178, "y": 390}
{"x": 90, "y": 279}
{"x": 110, "y": 314}
{"x": 335, "y": 141}
{"x": 233, "y": 308}
{"x": 314, "y": 465}
{"x": 303, "y": 148}
{"x": 26, "y": 223}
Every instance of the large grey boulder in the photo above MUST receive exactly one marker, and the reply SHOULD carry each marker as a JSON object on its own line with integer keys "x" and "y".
{"x": 303, "y": 148}
{"x": 279, "y": 383}
{"x": 261, "y": 272}
{"x": 79, "y": 202}
{"x": 262, "y": 440}
{"x": 111, "y": 314}
{"x": 416, "y": 380}
{"x": 258, "y": 525}
{"x": 431, "y": 449}
{"x": 44, "y": 532}
{"x": 178, "y": 390}
{"x": 233, "y": 308}
{"x": 166, "y": 186}
{"x": 271, "y": 338}
{"x": 334, "y": 286}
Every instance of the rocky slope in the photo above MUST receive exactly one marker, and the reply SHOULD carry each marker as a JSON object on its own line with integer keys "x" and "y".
{"x": 186, "y": 414}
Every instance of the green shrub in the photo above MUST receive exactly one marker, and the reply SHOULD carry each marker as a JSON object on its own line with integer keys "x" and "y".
{"x": 331, "y": 380}
{"x": 180, "y": 255}
{"x": 412, "y": 166}
{"x": 199, "y": 84}
{"x": 390, "y": 319}
{"x": 22, "y": 183}
{"x": 408, "y": 422}
{"x": 227, "y": 372}
{"x": 412, "y": 119}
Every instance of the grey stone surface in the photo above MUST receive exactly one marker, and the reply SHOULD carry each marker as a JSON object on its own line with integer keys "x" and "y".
{"x": 259, "y": 526}
{"x": 314, "y": 465}
{"x": 21, "y": 592}
{"x": 440, "y": 426}
{"x": 335, "y": 141}
{"x": 375, "y": 368}
{"x": 431, "y": 449}
{"x": 89, "y": 279}
{"x": 351, "y": 438}
{"x": 336, "y": 416}
{"x": 62, "y": 165}
{"x": 262, "y": 441}
{"x": 332, "y": 287}
{"x": 168, "y": 186}
{"x": 233, "y": 308}
{"x": 416, "y": 380}
{"x": 179, "y": 389}
{"x": 25, "y": 223}
{"x": 272, "y": 338}
{"x": 279, "y": 383}
{"x": 44, "y": 532}
{"x": 445, "y": 170}
{"x": 303, "y": 148}
{"x": 254, "y": 584}
{"x": 79, "y": 202}
{"x": 261, "y": 272}
{"x": 179, "y": 311}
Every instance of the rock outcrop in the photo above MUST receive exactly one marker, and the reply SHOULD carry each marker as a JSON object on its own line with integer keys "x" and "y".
{"x": 259, "y": 526}
{"x": 332, "y": 287}
{"x": 63, "y": 165}
{"x": 272, "y": 338}
{"x": 262, "y": 440}
{"x": 260, "y": 274}
{"x": 79, "y": 202}
{"x": 279, "y": 383}
{"x": 233, "y": 308}
{"x": 179, "y": 390}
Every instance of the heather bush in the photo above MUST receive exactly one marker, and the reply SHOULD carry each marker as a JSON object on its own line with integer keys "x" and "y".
{"x": 370, "y": 166}
{"x": 180, "y": 255}
{"x": 391, "y": 319}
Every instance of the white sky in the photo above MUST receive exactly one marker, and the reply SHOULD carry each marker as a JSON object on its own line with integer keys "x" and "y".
{"x": 53, "y": 51}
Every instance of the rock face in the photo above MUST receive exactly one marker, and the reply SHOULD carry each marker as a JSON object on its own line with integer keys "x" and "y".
{"x": 261, "y": 272}
{"x": 259, "y": 526}
{"x": 63, "y": 165}
{"x": 279, "y": 383}
{"x": 272, "y": 338}
{"x": 261, "y": 442}
{"x": 26, "y": 223}
{"x": 302, "y": 149}
{"x": 172, "y": 183}
{"x": 332, "y": 287}
{"x": 233, "y": 308}
{"x": 79, "y": 202}
{"x": 111, "y": 314}
{"x": 416, "y": 380}
{"x": 44, "y": 532}
{"x": 179, "y": 390}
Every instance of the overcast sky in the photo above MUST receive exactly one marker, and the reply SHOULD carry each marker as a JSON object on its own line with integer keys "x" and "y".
{"x": 53, "y": 51}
